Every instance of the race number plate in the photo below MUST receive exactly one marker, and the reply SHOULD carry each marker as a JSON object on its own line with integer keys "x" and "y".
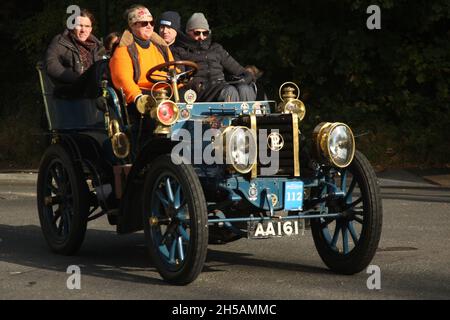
{"x": 293, "y": 196}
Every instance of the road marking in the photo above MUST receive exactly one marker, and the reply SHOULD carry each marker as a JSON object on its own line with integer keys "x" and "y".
{"x": 14, "y": 195}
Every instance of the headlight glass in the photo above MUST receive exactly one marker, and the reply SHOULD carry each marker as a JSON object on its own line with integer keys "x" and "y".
{"x": 167, "y": 113}
{"x": 240, "y": 149}
{"x": 335, "y": 142}
{"x": 341, "y": 145}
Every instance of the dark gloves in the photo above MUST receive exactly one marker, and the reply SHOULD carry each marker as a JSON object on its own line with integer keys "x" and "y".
{"x": 145, "y": 103}
{"x": 248, "y": 77}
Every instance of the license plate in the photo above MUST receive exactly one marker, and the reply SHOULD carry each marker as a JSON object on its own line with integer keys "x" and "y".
{"x": 293, "y": 196}
{"x": 271, "y": 229}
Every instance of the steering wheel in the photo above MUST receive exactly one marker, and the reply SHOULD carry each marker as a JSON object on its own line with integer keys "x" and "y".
{"x": 172, "y": 74}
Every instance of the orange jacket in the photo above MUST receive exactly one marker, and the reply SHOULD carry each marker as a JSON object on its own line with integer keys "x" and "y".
{"x": 121, "y": 66}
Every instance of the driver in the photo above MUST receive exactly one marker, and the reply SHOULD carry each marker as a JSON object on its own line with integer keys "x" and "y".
{"x": 139, "y": 50}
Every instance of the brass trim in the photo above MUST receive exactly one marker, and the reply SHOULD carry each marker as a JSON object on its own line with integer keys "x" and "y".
{"x": 295, "y": 141}
{"x": 322, "y": 137}
{"x": 153, "y": 221}
{"x": 118, "y": 140}
{"x": 176, "y": 94}
{"x": 254, "y": 127}
{"x": 274, "y": 199}
{"x": 285, "y": 84}
{"x": 162, "y": 130}
{"x": 301, "y": 108}
{"x": 113, "y": 128}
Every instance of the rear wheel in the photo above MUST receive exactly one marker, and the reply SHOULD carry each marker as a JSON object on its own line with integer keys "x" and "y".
{"x": 63, "y": 201}
{"x": 348, "y": 243}
{"x": 175, "y": 220}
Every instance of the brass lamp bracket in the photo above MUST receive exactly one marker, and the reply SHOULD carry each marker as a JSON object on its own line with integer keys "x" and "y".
{"x": 286, "y": 92}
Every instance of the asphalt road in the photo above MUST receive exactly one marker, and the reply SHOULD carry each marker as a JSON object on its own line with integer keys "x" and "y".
{"x": 413, "y": 256}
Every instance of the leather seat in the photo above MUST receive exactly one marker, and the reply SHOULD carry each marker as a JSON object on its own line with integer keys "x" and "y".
{"x": 80, "y": 114}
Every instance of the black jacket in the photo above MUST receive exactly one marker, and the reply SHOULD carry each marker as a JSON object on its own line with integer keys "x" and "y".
{"x": 212, "y": 58}
{"x": 62, "y": 59}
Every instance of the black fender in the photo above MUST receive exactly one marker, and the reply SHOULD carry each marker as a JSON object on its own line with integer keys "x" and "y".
{"x": 130, "y": 217}
{"x": 88, "y": 152}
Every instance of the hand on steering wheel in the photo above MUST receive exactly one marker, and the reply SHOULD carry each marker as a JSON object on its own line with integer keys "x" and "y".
{"x": 171, "y": 74}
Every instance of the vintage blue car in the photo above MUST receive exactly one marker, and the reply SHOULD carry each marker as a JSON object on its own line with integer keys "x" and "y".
{"x": 206, "y": 173}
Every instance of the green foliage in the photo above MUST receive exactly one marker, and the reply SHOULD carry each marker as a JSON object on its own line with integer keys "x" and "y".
{"x": 392, "y": 83}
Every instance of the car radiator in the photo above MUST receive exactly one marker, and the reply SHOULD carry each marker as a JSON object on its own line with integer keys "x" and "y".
{"x": 286, "y": 125}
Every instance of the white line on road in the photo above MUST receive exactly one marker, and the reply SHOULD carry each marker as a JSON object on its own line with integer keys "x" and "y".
{"x": 15, "y": 195}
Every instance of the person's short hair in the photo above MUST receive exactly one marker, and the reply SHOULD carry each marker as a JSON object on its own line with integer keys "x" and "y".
{"x": 87, "y": 14}
{"x": 108, "y": 42}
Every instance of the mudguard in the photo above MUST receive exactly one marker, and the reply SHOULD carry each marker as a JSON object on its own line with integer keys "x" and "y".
{"x": 130, "y": 216}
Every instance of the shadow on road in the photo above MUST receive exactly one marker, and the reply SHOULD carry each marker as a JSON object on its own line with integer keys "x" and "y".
{"x": 105, "y": 254}
{"x": 428, "y": 188}
{"x": 245, "y": 259}
{"x": 421, "y": 194}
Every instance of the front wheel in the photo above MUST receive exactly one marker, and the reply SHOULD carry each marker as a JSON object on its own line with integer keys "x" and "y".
{"x": 348, "y": 243}
{"x": 175, "y": 220}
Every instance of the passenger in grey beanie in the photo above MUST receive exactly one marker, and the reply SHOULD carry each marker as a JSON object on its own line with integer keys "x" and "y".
{"x": 213, "y": 60}
{"x": 169, "y": 26}
{"x": 197, "y": 21}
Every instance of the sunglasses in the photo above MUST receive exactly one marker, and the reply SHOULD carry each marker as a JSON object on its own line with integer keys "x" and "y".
{"x": 143, "y": 24}
{"x": 204, "y": 33}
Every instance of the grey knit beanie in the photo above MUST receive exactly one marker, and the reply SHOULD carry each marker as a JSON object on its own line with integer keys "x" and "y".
{"x": 197, "y": 21}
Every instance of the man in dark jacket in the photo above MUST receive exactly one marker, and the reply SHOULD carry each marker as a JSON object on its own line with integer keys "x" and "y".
{"x": 169, "y": 26}
{"x": 71, "y": 54}
{"x": 213, "y": 61}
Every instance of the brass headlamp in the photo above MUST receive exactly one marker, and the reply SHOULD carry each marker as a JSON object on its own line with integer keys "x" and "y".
{"x": 335, "y": 143}
{"x": 289, "y": 100}
{"x": 238, "y": 146}
{"x": 167, "y": 113}
{"x": 119, "y": 140}
{"x": 145, "y": 104}
{"x": 160, "y": 108}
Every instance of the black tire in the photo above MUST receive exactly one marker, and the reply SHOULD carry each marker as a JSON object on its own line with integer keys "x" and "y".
{"x": 369, "y": 219}
{"x": 177, "y": 247}
{"x": 63, "y": 201}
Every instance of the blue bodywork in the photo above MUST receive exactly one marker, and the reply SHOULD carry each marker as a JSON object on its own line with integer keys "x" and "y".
{"x": 236, "y": 185}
